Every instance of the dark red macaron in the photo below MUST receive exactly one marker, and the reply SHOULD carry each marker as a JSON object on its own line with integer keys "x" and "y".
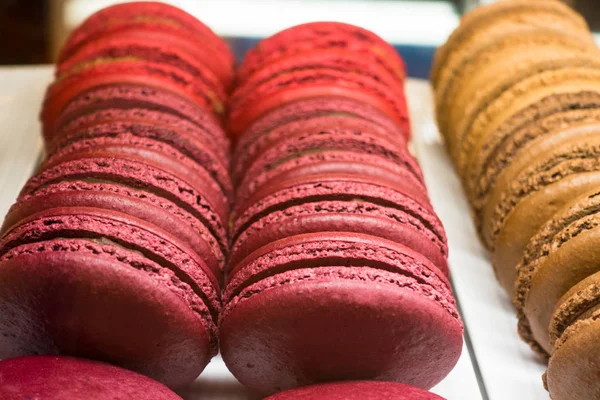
{"x": 59, "y": 378}
{"x": 348, "y": 201}
{"x": 359, "y": 390}
{"x": 124, "y": 70}
{"x": 323, "y": 36}
{"x": 332, "y": 135}
{"x": 299, "y": 130}
{"x": 159, "y": 22}
{"x": 313, "y": 75}
{"x": 143, "y": 174}
{"x": 101, "y": 284}
{"x": 308, "y": 113}
{"x": 202, "y": 145}
{"x": 141, "y": 204}
{"x": 189, "y": 150}
{"x": 84, "y": 107}
{"x": 329, "y": 306}
{"x": 334, "y": 162}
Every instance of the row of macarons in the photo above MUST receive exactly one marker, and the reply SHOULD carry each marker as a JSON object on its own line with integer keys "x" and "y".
{"x": 130, "y": 245}
{"x": 517, "y": 88}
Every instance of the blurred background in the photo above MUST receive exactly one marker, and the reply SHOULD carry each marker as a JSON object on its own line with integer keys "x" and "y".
{"x": 31, "y": 31}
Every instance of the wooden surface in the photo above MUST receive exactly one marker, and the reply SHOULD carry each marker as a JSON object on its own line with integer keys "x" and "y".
{"x": 495, "y": 364}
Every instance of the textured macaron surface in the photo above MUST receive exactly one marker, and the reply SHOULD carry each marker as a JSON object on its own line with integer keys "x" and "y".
{"x": 54, "y": 378}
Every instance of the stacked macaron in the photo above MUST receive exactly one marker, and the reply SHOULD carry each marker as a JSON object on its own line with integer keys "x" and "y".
{"x": 115, "y": 248}
{"x": 517, "y": 90}
{"x": 338, "y": 264}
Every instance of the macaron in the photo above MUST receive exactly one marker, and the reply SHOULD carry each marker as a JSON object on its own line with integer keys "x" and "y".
{"x": 532, "y": 51}
{"x": 148, "y": 129}
{"x": 328, "y": 36}
{"x": 572, "y": 368}
{"x": 361, "y": 390}
{"x": 547, "y": 183}
{"x": 483, "y": 25}
{"x": 506, "y": 112}
{"x": 159, "y": 22}
{"x": 106, "y": 71}
{"x": 131, "y": 294}
{"x": 311, "y": 75}
{"x": 201, "y": 144}
{"x": 304, "y": 201}
{"x": 515, "y": 233}
{"x": 287, "y": 302}
{"x": 138, "y": 173}
{"x": 306, "y": 113}
{"x": 334, "y": 161}
{"x": 128, "y": 96}
{"x": 57, "y": 378}
{"x": 543, "y": 279}
{"x": 331, "y": 135}
{"x": 563, "y": 116}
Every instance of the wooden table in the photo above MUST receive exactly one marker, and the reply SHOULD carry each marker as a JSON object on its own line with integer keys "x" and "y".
{"x": 495, "y": 365}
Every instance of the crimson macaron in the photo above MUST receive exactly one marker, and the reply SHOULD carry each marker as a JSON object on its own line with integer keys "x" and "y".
{"x": 360, "y": 390}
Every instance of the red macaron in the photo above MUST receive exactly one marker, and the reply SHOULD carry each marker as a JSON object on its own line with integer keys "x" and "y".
{"x": 163, "y": 24}
{"x": 336, "y": 306}
{"x": 60, "y": 378}
{"x": 361, "y": 390}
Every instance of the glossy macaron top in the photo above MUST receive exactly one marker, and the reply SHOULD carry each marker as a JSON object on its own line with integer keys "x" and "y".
{"x": 360, "y": 390}
{"x": 56, "y": 378}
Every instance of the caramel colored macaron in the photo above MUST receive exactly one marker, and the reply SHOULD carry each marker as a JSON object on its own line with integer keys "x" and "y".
{"x": 575, "y": 332}
{"x": 535, "y": 195}
{"x": 484, "y": 24}
{"x": 504, "y": 62}
{"x": 571, "y": 236}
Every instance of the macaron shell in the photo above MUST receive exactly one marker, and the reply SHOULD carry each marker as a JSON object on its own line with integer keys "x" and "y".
{"x": 365, "y": 390}
{"x": 322, "y": 35}
{"x": 210, "y": 176}
{"x": 506, "y": 111}
{"x": 328, "y": 139}
{"x": 519, "y": 50}
{"x": 124, "y": 230}
{"x": 138, "y": 175}
{"x": 478, "y": 96}
{"x": 116, "y": 71}
{"x": 334, "y": 162}
{"x": 322, "y": 186}
{"x": 127, "y": 316}
{"x": 492, "y": 22}
{"x": 516, "y": 232}
{"x": 54, "y": 378}
{"x": 274, "y": 124}
{"x": 248, "y": 151}
{"x": 549, "y": 169}
{"x": 199, "y": 144}
{"x": 152, "y": 17}
{"x": 574, "y": 119}
{"x": 343, "y": 216}
{"x": 578, "y": 304}
{"x": 550, "y": 280}
{"x": 298, "y": 85}
{"x": 128, "y": 96}
{"x": 272, "y": 348}
{"x": 142, "y": 205}
{"x": 572, "y": 369}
